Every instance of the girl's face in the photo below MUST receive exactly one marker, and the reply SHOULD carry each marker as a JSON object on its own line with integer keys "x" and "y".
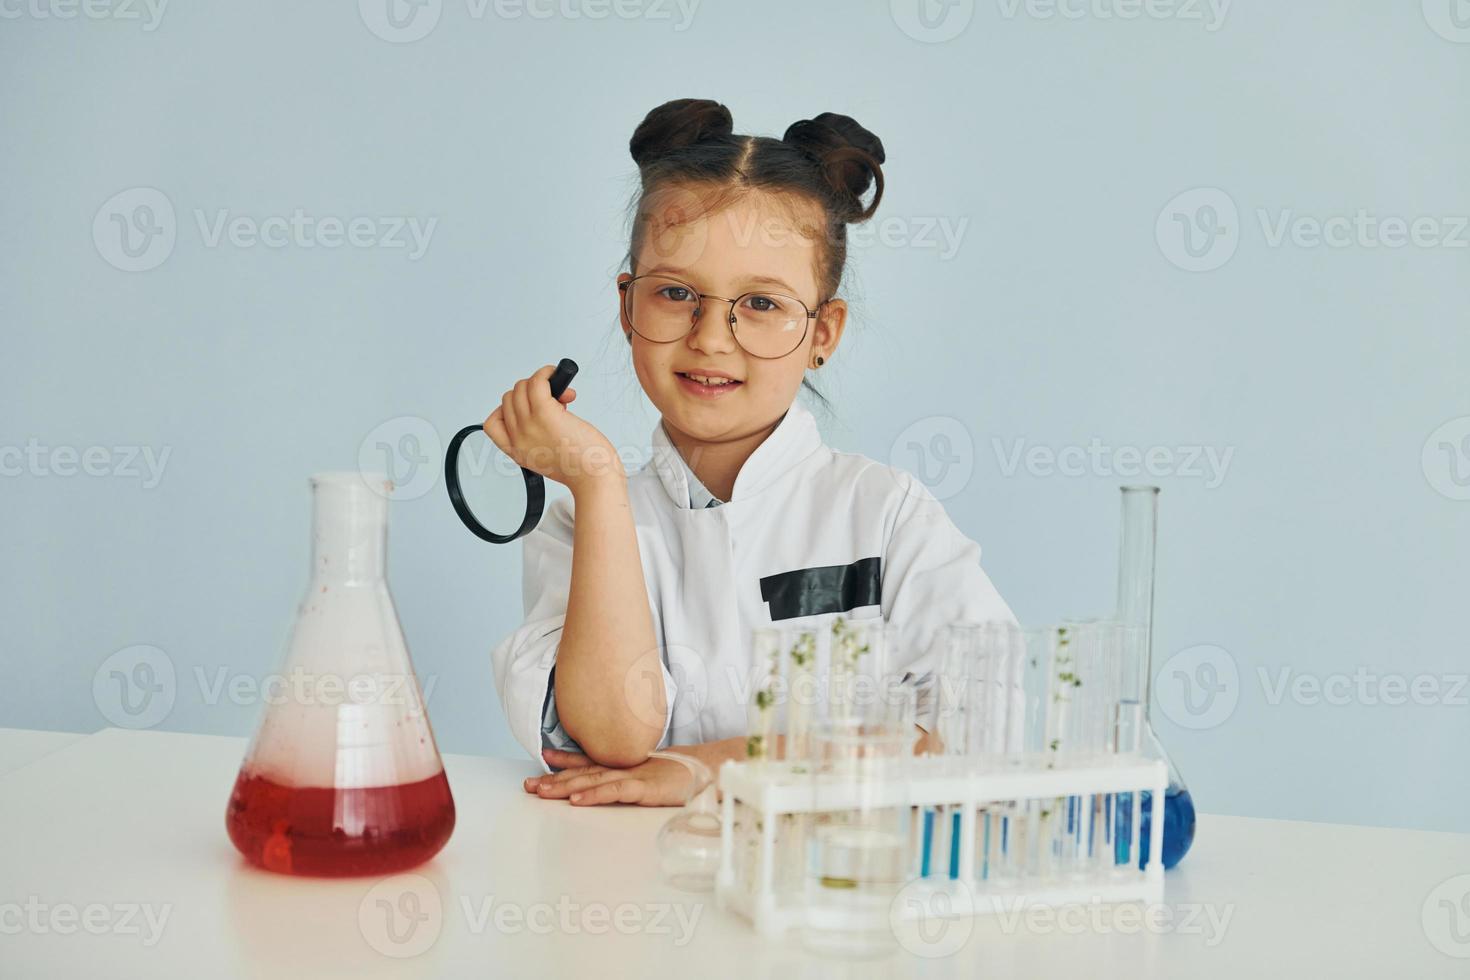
{"x": 755, "y": 243}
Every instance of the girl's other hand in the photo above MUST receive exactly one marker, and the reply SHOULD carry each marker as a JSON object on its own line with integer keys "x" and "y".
{"x": 537, "y": 432}
{"x": 657, "y": 782}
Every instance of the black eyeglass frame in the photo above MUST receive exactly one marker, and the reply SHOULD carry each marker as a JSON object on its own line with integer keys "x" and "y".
{"x": 732, "y": 320}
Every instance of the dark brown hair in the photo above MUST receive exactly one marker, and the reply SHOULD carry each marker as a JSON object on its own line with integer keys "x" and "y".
{"x": 830, "y": 161}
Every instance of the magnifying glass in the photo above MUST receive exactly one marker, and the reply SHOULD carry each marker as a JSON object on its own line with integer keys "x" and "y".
{"x": 491, "y": 497}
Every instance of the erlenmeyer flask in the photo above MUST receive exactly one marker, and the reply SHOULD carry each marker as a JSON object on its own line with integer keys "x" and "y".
{"x": 343, "y": 776}
{"x": 1136, "y": 609}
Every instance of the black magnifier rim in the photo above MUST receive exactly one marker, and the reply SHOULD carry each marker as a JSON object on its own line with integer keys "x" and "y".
{"x": 566, "y": 369}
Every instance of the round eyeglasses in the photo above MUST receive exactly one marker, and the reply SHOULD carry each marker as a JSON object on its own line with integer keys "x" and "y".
{"x": 768, "y": 325}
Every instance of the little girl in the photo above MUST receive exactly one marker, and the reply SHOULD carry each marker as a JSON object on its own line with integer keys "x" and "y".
{"x": 642, "y": 591}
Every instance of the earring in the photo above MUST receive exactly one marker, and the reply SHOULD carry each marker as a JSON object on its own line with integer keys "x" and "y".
{"x": 820, "y": 361}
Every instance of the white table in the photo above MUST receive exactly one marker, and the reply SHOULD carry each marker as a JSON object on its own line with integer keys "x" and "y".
{"x": 125, "y": 820}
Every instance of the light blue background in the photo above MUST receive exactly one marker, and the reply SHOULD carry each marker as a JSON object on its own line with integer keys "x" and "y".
{"x": 1058, "y": 142}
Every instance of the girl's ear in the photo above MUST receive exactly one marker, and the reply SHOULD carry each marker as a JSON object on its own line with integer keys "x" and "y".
{"x": 827, "y": 332}
{"x": 623, "y": 308}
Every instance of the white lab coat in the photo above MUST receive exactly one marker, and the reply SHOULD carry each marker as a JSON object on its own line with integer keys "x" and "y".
{"x": 796, "y": 505}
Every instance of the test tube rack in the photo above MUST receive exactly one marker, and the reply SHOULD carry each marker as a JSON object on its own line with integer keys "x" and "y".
{"x": 764, "y": 799}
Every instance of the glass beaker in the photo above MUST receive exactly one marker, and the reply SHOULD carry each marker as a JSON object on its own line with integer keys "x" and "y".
{"x": 861, "y": 836}
{"x": 343, "y": 776}
{"x": 1136, "y": 550}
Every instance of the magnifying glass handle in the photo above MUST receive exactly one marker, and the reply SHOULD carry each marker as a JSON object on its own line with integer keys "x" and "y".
{"x": 566, "y": 369}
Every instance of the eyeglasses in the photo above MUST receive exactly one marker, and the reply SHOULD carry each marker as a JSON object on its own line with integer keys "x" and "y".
{"x": 662, "y": 310}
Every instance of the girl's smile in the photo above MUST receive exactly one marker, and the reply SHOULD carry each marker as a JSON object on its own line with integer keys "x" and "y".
{"x": 708, "y": 382}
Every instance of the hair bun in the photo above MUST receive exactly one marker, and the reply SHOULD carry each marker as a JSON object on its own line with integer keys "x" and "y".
{"x": 677, "y": 124}
{"x": 851, "y": 158}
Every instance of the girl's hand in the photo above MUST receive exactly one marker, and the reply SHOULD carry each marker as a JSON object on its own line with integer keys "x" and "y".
{"x": 657, "y": 782}
{"x": 537, "y": 432}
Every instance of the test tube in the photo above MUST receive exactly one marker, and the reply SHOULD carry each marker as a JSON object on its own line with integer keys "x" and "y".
{"x": 800, "y": 646}
{"x": 987, "y": 722}
{"x": 760, "y": 740}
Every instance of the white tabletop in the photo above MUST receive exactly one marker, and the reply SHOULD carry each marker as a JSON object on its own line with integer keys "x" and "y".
{"x": 113, "y": 828}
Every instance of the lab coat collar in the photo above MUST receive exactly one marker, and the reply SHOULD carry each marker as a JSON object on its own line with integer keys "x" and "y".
{"x": 793, "y": 440}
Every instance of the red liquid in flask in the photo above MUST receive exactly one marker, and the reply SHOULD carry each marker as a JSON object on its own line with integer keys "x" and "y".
{"x": 330, "y": 832}
{"x": 343, "y": 776}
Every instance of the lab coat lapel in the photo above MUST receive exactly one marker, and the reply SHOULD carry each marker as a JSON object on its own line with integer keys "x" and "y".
{"x": 793, "y": 440}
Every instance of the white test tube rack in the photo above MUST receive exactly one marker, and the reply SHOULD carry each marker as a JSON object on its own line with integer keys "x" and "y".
{"x": 771, "y": 789}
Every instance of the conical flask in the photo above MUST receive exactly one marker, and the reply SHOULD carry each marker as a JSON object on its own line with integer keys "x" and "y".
{"x": 343, "y": 776}
{"x": 1136, "y": 609}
